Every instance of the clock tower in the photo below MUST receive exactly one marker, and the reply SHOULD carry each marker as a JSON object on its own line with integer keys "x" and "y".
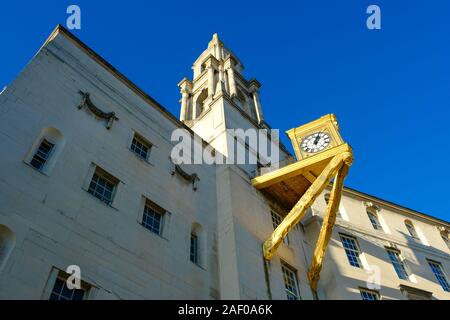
{"x": 220, "y": 98}
{"x": 316, "y": 136}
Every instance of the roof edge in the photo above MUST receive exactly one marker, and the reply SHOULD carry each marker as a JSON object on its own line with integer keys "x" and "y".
{"x": 396, "y": 206}
{"x": 59, "y": 29}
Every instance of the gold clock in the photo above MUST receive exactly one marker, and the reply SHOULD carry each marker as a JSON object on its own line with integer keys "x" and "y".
{"x": 315, "y": 137}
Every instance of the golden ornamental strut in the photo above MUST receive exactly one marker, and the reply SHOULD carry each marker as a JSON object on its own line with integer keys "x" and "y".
{"x": 321, "y": 157}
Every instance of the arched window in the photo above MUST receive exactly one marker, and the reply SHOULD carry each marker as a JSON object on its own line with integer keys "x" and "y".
{"x": 200, "y": 103}
{"x": 445, "y": 234}
{"x": 373, "y": 217}
{"x": 198, "y": 245}
{"x": 412, "y": 231}
{"x": 7, "y": 242}
{"x": 241, "y": 101}
{"x": 45, "y": 150}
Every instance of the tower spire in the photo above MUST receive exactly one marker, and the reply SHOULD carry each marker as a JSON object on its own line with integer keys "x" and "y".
{"x": 218, "y": 74}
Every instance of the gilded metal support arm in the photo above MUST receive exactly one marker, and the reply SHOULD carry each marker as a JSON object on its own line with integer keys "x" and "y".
{"x": 327, "y": 225}
{"x": 298, "y": 211}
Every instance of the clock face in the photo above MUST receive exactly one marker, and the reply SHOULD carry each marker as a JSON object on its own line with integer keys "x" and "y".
{"x": 315, "y": 142}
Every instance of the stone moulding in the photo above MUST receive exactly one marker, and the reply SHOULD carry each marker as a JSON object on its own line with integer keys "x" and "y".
{"x": 192, "y": 178}
{"x": 87, "y": 103}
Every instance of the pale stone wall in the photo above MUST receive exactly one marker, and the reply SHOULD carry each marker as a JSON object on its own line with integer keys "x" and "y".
{"x": 57, "y": 223}
{"x": 339, "y": 280}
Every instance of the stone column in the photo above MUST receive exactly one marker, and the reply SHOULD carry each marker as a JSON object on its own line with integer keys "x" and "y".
{"x": 194, "y": 106}
{"x": 185, "y": 89}
{"x": 258, "y": 107}
{"x": 210, "y": 80}
{"x": 184, "y": 104}
{"x": 226, "y": 81}
{"x": 232, "y": 82}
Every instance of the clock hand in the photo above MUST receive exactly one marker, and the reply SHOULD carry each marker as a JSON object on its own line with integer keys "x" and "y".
{"x": 316, "y": 140}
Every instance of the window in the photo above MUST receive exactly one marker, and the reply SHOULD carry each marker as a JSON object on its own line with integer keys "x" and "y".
{"x": 45, "y": 150}
{"x": 140, "y": 146}
{"x": 438, "y": 271}
{"x": 373, "y": 217}
{"x": 412, "y": 231}
{"x": 445, "y": 236}
{"x": 398, "y": 263}
{"x": 367, "y": 294}
{"x": 199, "y": 104}
{"x": 290, "y": 281}
{"x": 60, "y": 290}
{"x": 194, "y": 248}
{"x": 276, "y": 220}
{"x": 103, "y": 185}
{"x": 352, "y": 250}
{"x": 197, "y": 248}
{"x": 152, "y": 218}
{"x": 42, "y": 154}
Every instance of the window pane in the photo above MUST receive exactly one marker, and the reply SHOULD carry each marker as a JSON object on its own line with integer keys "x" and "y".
{"x": 101, "y": 188}
{"x": 290, "y": 282}
{"x": 446, "y": 239}
{"x": 152, "y": 220}
{"x": 398, "y": 264}
{"x": 369, "y": 295}
{"x": 438, "y": 271}
{"x": 412, "y": 231}
{"x": 374, "y": 220}
{"x": 194, "y": 248}
{"x": 62, "y": 292}
{"x": 140, "y": 147}
{"x": 276, "y": 220}
{"x": 352, "y": 251}
{"x": 42, "y": 154}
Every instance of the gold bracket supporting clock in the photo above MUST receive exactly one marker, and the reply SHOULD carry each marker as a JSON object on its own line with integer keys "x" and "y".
{"x": 322, "y": 156}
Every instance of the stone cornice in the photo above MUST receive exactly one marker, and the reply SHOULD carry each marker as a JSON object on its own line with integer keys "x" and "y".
{"x": 384, "y": 238}
{"x": 393, "y": 206}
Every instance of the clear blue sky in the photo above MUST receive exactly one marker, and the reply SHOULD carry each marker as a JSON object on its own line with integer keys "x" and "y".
{"x": 390, "y": 88}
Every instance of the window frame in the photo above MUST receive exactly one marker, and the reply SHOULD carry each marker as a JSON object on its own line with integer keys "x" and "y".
{"x": 42, "y": 159}
{"x": 369, "y": 292}
{"x": 290, "y": 274}
{"x": 445, "y": 237}
{"x": 412, "y": 231}
{"x": 50, "y": 136}
{"x": 109, "y": 178}
{"x": 445, "y": 285}
{"x": 144, "y": 142}
{"x": 156, "y": 210}
{"x": 59, "y": 295}
{"x": 194, "y": 249}
{"x": 374, "y": 220}
{"x": 276, "y": 220}
{"x": 400, "y": 262}
{"x": 57, "y": 273}
{"x": 348, "y": 249}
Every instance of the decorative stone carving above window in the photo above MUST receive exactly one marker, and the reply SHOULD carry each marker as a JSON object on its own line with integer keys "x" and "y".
{"x": 192, "y": 178}
{"x": 87, "y": 103}
{"x": 371, "y": 205}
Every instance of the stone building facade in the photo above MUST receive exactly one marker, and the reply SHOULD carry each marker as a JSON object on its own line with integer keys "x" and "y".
{"x": 87, "y": 181}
